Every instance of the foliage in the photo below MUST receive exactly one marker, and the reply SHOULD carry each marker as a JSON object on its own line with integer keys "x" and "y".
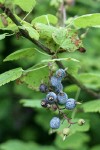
{"x": 38, "y": 43}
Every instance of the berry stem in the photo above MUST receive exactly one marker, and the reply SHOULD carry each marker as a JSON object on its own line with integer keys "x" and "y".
{"x": 65, "y": 116}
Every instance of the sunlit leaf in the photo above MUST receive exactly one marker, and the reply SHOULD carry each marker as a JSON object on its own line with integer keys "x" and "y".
{"x": 88, "y": 20}
{"x": 26, "y": 5}
{"x": 51, "y": 19}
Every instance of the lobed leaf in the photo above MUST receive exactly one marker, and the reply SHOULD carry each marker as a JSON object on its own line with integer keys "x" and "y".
{"x": 10, "y": 75}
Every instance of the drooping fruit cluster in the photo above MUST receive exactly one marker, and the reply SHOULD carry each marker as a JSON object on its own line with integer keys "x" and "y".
{"x": 56, "y": 97}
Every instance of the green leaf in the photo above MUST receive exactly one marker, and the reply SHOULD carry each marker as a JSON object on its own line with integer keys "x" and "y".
{"x": 97, "y": 147}
{"x": 92, "y": 106}
{"x": 2, "y": 36}
{"x": 89, "y": 20}
{"x": 31, "y": 31}
{"x": 75, "y": 127}
{"x": 10, "y": 75}
{"x": 72, "y": 141}
{"x": 20, "y": 145}
{"x": 67, "y": 39}
{"x": 2, "y": 1}
{"x": 27, "y": 52}
{"x": 26, "y": 5}
{"x": 91, "y": 80}
{"x": 34, "y": 77}
{"x": 31, "y": 103}
{"x": 6, "y": 23}
{"x": 46, "y": 19}
{"x": 45, "y": 31}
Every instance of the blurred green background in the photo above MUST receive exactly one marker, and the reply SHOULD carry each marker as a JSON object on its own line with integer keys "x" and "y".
{"x": 27, "y": 128}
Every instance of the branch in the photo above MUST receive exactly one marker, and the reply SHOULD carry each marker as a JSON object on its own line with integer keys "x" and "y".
{"x": 47, "y": 50}
{"x": 24, "y": 33}
{"x": 72, "y": 79}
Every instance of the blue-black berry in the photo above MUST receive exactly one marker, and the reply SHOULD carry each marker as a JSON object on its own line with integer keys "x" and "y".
{"x": 60, "y": 73}
{"x": 43, "y": 88}
{"x": 54, "y": 81}
{"x": 59, "y": 88}
{"x": 70, "y": 103}
{"x": 62, "y": 98}
{"x": 45, "y": 104}
{"x": 51, "y": 98}
{"x": 55, "y": 123}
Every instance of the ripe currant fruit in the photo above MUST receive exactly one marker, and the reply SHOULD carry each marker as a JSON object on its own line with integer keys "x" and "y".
{"x": 70, "y": 103}
{"x": 51, "y": 98}
{"x": 55, "y": 123}
{"x": 54, "y": 81}
{"x": 43, "y": 88}
{"x": 60, "y": 73}
{"x": 62, "y": 98}
{"x": 59, "y": 88}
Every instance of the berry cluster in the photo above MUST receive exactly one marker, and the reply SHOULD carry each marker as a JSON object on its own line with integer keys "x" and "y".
{"x": 55, "y": 97}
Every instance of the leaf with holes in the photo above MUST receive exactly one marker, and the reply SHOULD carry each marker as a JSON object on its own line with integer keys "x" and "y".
{"x": 67, "y": 39}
